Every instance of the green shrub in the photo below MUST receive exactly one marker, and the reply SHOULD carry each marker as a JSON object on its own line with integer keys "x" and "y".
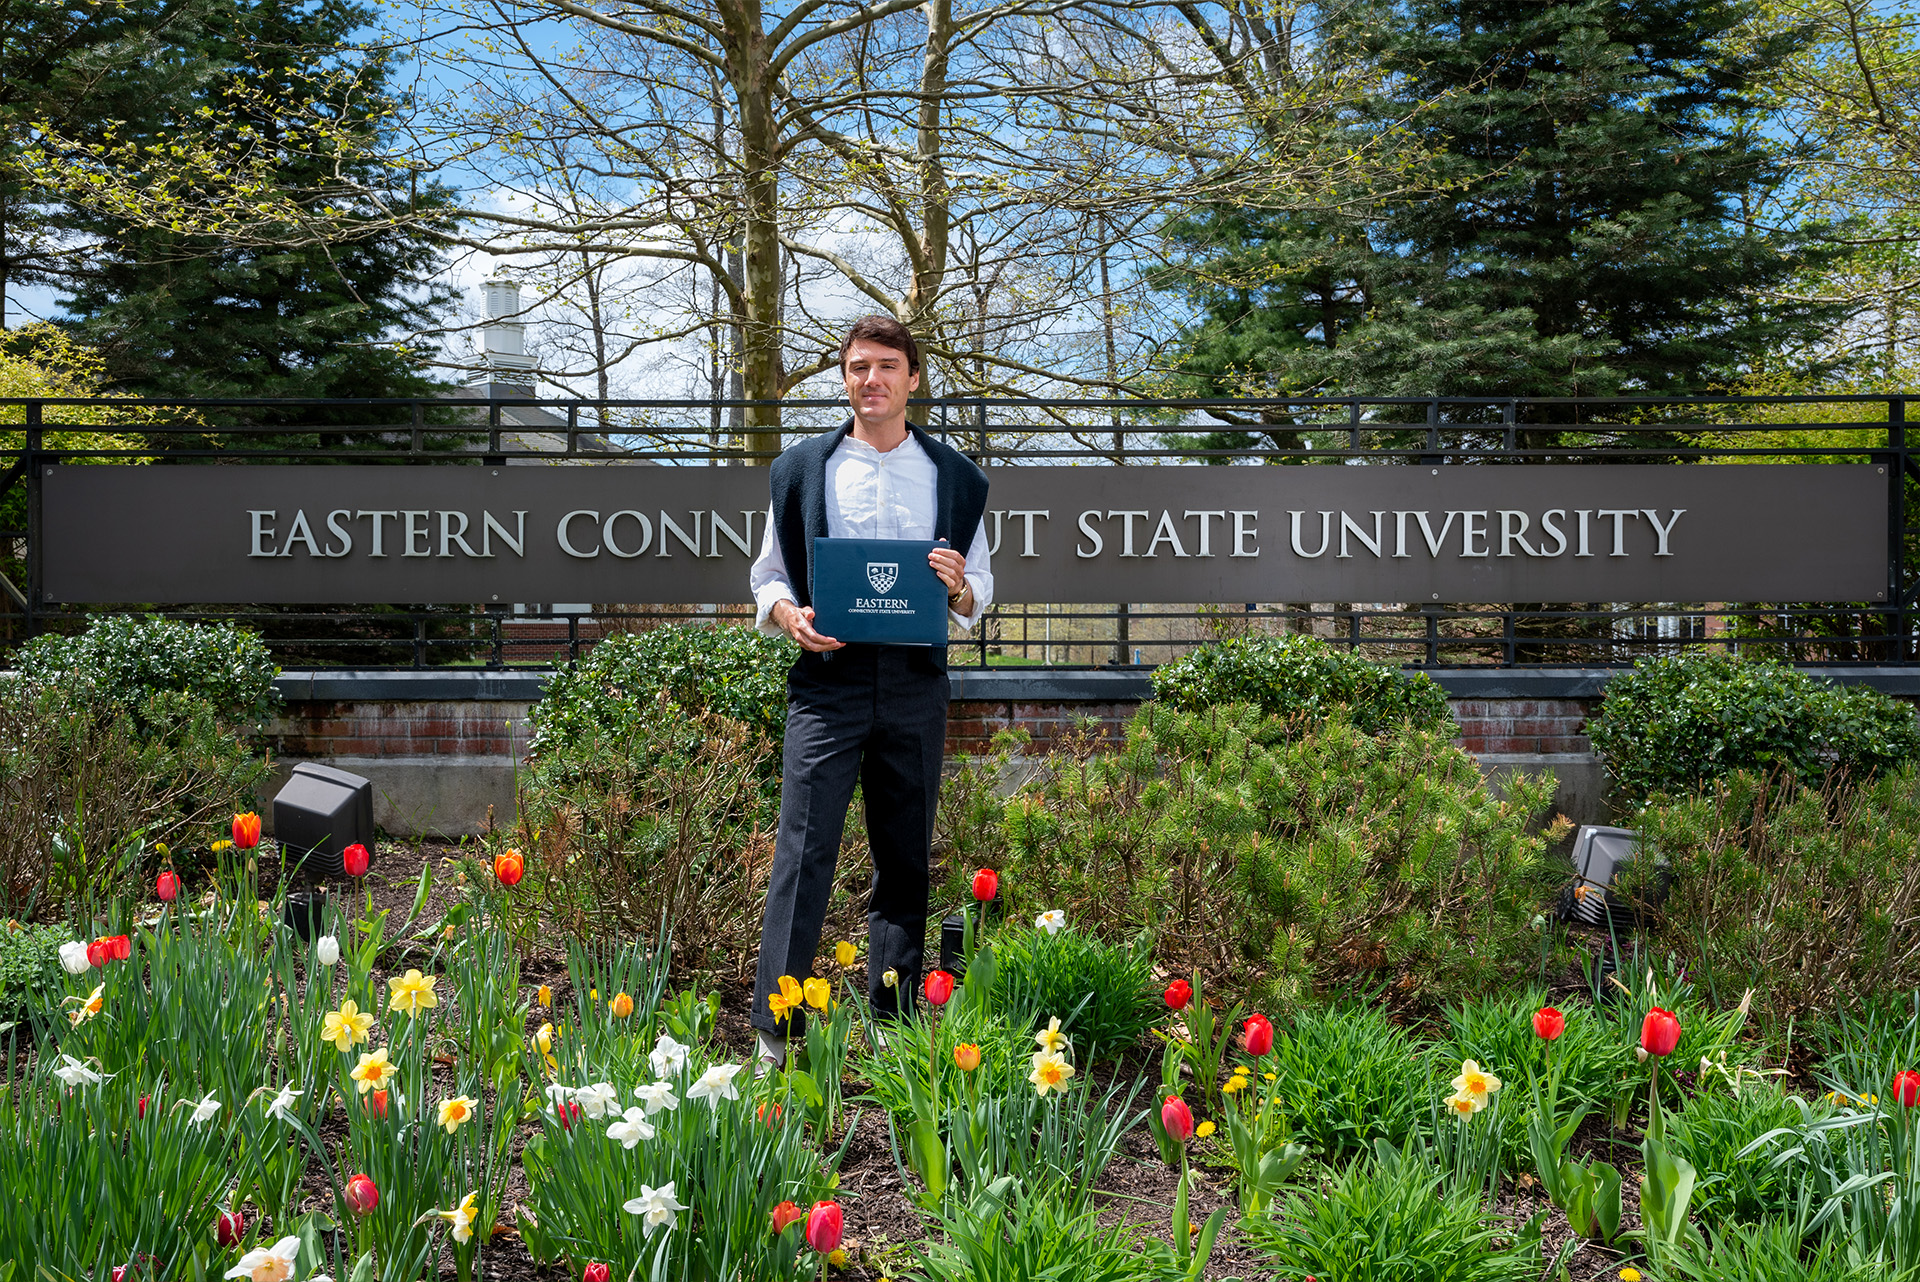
{"x": 1382, "y": 1220}
{"x": 30, "y": 977}
{"x": 734, "y": 671}
{"x": 1275, "y": 864}
{"x": 1100, "y": 992}
{"x": 1347, "y": 1077}
{"x": 1776, "y": 1251}
{"x": 126, "y": 661}
{"x": 1301, "y": 678}
{"x": 1674, "y": 723}
{"x": 92, "y": 786}
{"x": 1802, "y": 895}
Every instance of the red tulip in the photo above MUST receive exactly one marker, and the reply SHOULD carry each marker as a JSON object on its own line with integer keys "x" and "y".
{"x": 121, "y": 1272}
{"x": 1548, "y": 1023}
{"x": 230, "y": 1228}
{"x": 167, "y": 886}
{"x": 509, "y": 867}
{"x": 824, "y": 1225}
{"x": 140, "y": 1109}
{"x": 1178, "y": 994}
{"x": 768, "y": 1115}
{"x": 1659, "y": 1032}
{"x": 355, "y": 859}
{"x": 595, "y": 1272}
{"x": 1906, "y": 1087}
{"x": 362, "y": 1195}
{"x": 786, "y": 1215}
{"x": 120, "y": 947}
{"x": 986, "y": 884}
{"x": 568, "y": 1112}
{"x": 1177, "y": 1118}
{"x": 99, "y": 953}
{"x": 1258, "y": 1035}
{"x": 939, "y": 987}
{"x": 377, "y": 1104}
{"x": 246, "y": 830}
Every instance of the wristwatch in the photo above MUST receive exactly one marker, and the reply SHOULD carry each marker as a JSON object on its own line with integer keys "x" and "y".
{"x": 954, "y": 598}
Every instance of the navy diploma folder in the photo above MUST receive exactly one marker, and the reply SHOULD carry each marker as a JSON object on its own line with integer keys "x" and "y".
{"x": 878, "y": 591}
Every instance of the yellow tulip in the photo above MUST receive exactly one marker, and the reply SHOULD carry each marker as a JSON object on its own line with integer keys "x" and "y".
{"x": 787, "y": 1000}
{"x": 843, "y": 953}
{"x": 544, "y": 997}
{"x": 622, "y": 1005}
{"x": 819, "y": 993}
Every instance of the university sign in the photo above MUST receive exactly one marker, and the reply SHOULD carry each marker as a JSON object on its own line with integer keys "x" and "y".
{"x": 628, "y": 534}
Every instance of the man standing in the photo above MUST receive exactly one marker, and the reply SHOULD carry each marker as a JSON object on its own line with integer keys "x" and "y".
{"x": 871, "y": 714}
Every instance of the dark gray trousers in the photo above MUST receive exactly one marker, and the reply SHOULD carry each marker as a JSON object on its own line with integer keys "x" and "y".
{"x": 876, "y": 715}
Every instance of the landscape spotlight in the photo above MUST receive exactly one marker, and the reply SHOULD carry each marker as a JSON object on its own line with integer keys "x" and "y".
{"x": 318, "y": 814}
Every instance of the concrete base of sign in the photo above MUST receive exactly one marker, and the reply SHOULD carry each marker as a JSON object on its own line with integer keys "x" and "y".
{"x": 423, "y": 796}
{"x": 1581, "y": 791}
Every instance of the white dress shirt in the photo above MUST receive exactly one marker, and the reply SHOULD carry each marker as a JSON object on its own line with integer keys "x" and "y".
{"x": 871, "y": 495}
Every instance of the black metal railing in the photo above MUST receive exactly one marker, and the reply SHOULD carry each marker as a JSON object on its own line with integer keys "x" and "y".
{"x": 1454, "y": 431}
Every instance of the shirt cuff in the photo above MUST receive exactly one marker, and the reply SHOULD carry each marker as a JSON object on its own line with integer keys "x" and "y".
{"x": 764, "y": 600}
{"x": 966, "y": 622}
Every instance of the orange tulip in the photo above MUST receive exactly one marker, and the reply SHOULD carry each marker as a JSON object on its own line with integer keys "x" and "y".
{"x": 509, "y": 867}
{"x": 246, "y": 830}
{"x": 967, "y": 1056}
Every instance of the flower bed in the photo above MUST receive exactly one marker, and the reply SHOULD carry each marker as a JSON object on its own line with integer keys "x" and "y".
{"x": 415, "y": 1089}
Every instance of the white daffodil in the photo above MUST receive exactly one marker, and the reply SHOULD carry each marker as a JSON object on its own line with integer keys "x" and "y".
{"x": 715, "y": 1084}
{"x": 558, "y": 1093}
{"x": 281, "y": 1103}
{"x": 598, "y": 1099}
{"x": 668, "y": 1056}
{"x": 656, "y": 1206}
{"x": 204, "y": 1110}
{"x": 631, "y": 1129}
{"x": 73, "y": 958}
{"x": 75, "y": 1073}
{"x": 656, "y": 1096}
{"x": 268, "y": 1264}
{"x": 462, "y": 1217}
{"x": 327, "y": 950}
{"x": 1053, "y": 921}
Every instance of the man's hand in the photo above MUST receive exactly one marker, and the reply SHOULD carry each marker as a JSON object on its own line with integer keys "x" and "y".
{"x": 797, "y": 622}
{"x": 952, "y": 569}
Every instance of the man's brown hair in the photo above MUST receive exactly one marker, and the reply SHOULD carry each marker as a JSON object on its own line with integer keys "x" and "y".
{"x": 887, "y": 332}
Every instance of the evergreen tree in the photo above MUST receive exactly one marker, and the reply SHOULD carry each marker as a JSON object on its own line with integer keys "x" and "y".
{"x": 184, "y": 315}
{"x": 1598, "y": 160}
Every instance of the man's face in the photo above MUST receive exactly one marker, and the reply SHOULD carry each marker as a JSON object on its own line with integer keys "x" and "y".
{"x": 878, "y": 382}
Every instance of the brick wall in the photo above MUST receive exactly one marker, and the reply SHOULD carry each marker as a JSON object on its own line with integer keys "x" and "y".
{"x": 463, "y": 728}
{"x": 972, "y": 723}
{"x": 1522, "y": 725}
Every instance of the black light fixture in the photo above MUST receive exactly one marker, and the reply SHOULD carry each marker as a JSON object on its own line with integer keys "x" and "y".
{"x": 1596, "y": 897}
{"x": 318, "y": 814}
{"x": 953, "y": 934}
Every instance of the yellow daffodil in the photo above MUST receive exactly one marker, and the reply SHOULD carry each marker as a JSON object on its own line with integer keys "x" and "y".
{"x": 843, "y": 953}
{"x": 1050, "y": 1072}
{"x": 462, "y": 1217}
{"x": 543, "y": 1039}
{"x": 1476, "y": 1081}
{"x": 890, "y": 977}
{"x": 787, "y": 1000}
{"x": 222, "y": 844}
{"x": 95, "y": 1003}
{"x": 1464, "y": 1105}
{"x": 1204, "y": 1129}
{"x": 411, "y": 992}
{"x": 544, "y": 997}
{"x": 1050, "y": 1038}
{"x": 346, "y": 1027}
{"x": 374, "y": 1071}
{"x": 819, "y": 993}
{"x": 455, "y": 1111}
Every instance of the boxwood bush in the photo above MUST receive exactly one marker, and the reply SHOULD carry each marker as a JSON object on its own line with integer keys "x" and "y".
{"x": 736, "y": 672}
{"x": 1674, "y": 723}
{"x": 125, "y": 661}
{"x": 1304, "y": 679}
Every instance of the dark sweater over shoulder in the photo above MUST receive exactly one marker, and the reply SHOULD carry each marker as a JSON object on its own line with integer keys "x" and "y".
{"x": 799, "y": 491}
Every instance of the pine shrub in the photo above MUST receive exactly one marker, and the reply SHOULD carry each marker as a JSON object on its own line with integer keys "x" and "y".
{"x": 1302, "y": 679}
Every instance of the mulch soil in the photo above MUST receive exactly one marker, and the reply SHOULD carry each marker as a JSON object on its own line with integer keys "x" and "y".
{"x": 880, "y": 1217}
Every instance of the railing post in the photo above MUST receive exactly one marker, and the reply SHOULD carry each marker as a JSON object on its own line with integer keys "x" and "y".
{"x": 1353, "y": 426}
{"x": 980, "y": 421}
{"x": 1895, "y": 614}
{"x": 419, "y": 445}
{"x": 1507, "y": 417}
{"x": 35, "y": 577}
{"x": 419, "y": 641}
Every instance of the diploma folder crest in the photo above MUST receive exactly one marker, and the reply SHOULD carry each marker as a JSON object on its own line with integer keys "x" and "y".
{"x": 878, "y": 592}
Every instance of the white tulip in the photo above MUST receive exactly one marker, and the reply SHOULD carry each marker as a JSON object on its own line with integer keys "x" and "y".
{"x": 327, "y": 949}
{"x": 73, "y": 957}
